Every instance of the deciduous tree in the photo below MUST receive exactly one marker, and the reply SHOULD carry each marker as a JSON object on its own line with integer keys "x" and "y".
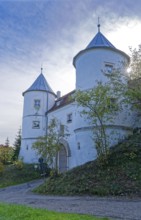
{"x": 48, "y": 146}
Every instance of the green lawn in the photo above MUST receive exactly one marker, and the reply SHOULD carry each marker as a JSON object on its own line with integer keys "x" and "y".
{"x": 19, "y": 212}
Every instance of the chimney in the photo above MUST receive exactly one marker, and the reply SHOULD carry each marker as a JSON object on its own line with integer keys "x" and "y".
{"x": 58, "y": 94}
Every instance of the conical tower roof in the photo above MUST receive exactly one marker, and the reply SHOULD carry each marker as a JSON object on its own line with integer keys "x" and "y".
{"x": 100, "y": 41}
{"x": 40, "y": 84}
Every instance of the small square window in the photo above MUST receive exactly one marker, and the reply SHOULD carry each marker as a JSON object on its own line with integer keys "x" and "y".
{"x": 36, "y": 124}
{"x": 69, "y": 118}
{"x": 37, "y": 104}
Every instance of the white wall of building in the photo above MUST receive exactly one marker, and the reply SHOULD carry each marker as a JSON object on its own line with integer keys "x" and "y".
{"x": 33, "y": 116}
{"x": 90, "y": 63}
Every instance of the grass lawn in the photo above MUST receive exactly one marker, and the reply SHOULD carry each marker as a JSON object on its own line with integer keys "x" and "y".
{"x": 16, "y": 212}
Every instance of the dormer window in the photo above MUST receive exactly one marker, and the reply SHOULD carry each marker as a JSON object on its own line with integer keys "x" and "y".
{"x": 69, "y": 118}
{"x": 37, "y": 104}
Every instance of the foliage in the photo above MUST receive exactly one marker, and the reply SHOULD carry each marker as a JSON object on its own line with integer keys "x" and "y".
{"x": 120, "y": 176}
{"x": 19, "y": 164}
{"x": 1, "y": 168}
{"x": 6, "y": 154}
{"x": 17, "y": 145}
{"x": 12, "y": 175}
{"x": 134, "y": 84}
{"x": 48, "y": 146}
{"x": 12, "y": 212}
{"x": 135, "y": 65}
{"x": 100, "y": 105}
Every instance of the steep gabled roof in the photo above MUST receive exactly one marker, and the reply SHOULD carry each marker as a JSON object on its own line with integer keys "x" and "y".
{"x": 100, "y": 41}
{"x": 40, "y": 84}
{"x": 63, "y": 101}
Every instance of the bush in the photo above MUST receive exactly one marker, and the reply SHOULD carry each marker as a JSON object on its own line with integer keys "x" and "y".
{"x": 1, "y": 168}
{"x": 19, "y": 164}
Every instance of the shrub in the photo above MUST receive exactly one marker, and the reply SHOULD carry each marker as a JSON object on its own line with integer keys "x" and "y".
{"x": 1, "y": 168}
{"x": 19, "y": 164}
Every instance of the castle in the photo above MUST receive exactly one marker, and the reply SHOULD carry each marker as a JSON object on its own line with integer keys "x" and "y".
{"x": 41, "y": 104}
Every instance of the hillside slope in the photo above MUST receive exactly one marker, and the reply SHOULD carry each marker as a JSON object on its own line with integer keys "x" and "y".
{"x": 120, "y": 176}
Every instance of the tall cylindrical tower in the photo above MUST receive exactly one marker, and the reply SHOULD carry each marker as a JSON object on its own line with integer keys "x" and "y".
{"x": 38, "y": 99}
{"x": 98, "y": 57}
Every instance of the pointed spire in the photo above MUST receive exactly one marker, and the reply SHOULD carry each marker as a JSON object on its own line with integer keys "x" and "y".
{"x": 98, "y": 25}
{"x": 40, "y": 84}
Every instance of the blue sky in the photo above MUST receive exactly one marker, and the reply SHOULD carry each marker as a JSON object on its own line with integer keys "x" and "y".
{"x": 50, "y": 33}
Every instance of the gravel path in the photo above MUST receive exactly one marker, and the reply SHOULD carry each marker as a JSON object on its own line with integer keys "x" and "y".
{"x": 114, "y": 208}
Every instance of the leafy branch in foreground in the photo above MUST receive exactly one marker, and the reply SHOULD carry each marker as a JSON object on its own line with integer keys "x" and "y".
{"x": 99, "y": 105}
{"x": 49, "y": 145}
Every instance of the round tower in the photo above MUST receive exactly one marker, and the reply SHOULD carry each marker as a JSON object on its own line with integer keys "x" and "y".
{"x": 98, "y": 57}
{"x": 38, "y": 99}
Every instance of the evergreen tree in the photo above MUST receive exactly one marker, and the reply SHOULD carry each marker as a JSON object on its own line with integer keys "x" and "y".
{"x": 7, "y": 142}
{"x": 17, "y": 145}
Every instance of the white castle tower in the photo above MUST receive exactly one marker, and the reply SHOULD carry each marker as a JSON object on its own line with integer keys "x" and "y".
{"x": 98, "y": 57}
{"x": 38, "y": 99}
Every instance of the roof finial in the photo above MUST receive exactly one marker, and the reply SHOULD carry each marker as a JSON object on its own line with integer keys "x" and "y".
{"x": 41, "y": 69}
{"x": 98, "y": 25}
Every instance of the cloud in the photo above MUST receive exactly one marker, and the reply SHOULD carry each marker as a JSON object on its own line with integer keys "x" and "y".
{"x": 52, "y": 32}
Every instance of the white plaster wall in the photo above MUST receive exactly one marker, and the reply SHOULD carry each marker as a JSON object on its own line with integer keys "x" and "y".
{"x": 43, "y": 96}
{"x": 61, "y": 115}
{"x": 90, "y": 63}
{"x": 27, "y": 153}
{"x": 30, "y": 114}
{"x": 86, "y": 152}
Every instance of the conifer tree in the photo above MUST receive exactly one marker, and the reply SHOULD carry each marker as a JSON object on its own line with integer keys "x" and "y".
{"x": 17, "y": 145}
{"x": 7, "y": 142}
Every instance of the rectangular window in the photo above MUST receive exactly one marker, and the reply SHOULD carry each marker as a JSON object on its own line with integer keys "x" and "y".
{"x": 108, "y": 68}
{"x": 37, "y": 104}
{"x": 62, "y": 128}
{"x": 69, "y": 118}
{"x": 36, "y": 124}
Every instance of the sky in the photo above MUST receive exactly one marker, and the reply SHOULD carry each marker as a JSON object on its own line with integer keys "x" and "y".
{"x": 48, "y": 34}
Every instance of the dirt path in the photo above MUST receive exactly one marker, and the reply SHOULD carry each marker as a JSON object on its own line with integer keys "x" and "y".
{"x": 114, "y": 208}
